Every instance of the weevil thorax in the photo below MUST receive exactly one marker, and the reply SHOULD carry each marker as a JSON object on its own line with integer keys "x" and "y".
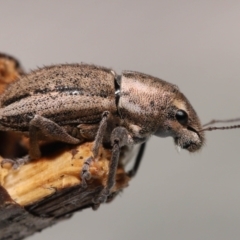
{"x": 151, "y": 106}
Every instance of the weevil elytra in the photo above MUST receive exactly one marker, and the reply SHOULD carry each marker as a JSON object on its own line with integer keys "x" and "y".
{"x": 73, "y": 103}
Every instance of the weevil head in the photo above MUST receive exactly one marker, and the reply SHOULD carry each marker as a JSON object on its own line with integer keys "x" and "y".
{"x": 150, "y": 105}
{"x": 182, "y": 123}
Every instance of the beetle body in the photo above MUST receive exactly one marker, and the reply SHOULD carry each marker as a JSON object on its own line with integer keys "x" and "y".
{"x": 70, "y": 95}
{"x": 78, "y": 102}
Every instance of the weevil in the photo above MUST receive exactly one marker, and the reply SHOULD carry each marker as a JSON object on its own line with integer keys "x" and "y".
{"x": 73, "y": 103}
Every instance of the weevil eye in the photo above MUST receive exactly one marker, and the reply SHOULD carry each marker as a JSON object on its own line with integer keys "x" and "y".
{"x": 182, "y": 117}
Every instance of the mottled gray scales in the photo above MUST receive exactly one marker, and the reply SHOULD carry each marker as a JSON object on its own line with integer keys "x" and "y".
{"x": 65, "y": 93}
{"x": 55, "y": 78}
{"x": 73, "y": 94}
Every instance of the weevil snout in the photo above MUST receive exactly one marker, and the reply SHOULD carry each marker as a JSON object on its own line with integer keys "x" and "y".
{"x": 184, "y": 137}
{"x": 183, "y": 124}
{"x": 189, "y": 140}
{"x": 187, "y": 128}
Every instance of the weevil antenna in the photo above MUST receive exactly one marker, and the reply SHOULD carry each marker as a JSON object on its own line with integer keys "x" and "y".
{"x": 220, "y": 128}
{"x": 214, "y": 121}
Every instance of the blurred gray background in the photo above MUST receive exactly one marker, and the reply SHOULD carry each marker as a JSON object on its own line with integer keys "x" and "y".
{"x": 194, "y": 44}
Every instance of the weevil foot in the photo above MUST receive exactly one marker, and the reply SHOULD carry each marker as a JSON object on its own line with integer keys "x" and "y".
{"x": 85, "y": 174}
{"x": 102, "y": 197}
{"x": 95, "y": 206}
{"x": 15, "y": 163}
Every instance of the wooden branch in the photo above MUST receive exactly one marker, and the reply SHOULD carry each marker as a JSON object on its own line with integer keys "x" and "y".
{"x": 48, "y": 190}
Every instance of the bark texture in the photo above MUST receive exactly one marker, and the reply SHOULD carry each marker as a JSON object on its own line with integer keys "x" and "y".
{"x": 45, "y": 191}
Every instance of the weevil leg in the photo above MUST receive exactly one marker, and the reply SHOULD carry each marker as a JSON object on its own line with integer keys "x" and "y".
{"x": 49, "y": 129}
{"x": 119, "y": 138}
{"x": 138, "y": 160}
{"x": 85, "y": 174}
